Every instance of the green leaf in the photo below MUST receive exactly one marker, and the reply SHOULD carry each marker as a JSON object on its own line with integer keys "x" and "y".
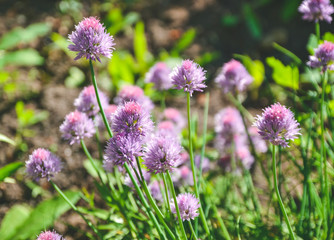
{"x": 254, "y": 67}
{"x": 6, "y": 139}
{"x": 140, "y": 45}
{"x": 184, "y": 42}
{"x": 13, "y": 221}
{"x": 121, "y": 69}
{"x": 91, "y": 170}
{"x": 24, "y": 57}
{"x": 229, "y": 20}
{"x": 252, "y": 21}
{"x": 43, "y": 216}
{"x": 9, "y": 170}
{"x": 75, "y": 78}
{"x": 20, "y": 35}
{"x": 328, "y": 36}
{"x": 312, "y": 43}
{"x": 285, "y": 76}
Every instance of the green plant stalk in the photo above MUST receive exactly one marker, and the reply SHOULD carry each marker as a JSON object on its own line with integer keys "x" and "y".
{"x": 323, "y": 153}
{"x": 143, "y": 200}
{"x": 97, "y": 136}
{"x": 166, "y": 192}
{"x": 98, "y": 99}
{"x": 90, "y": 159}
{"x": 157, "y": 210}
{"x": 292, "y": 236}
{"x": 193, "y": 169}
{"x": 163, "y": 100}
{"x": 221, "y": 223}
{"x": 184, "y": 235}
{"x": 205, "y": 125}
{"x": 288, "y": 53}
{"x": 76, "y": 210}
{"x": 192, "y": 230}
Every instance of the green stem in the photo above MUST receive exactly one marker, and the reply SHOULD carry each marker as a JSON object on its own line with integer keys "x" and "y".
{"x": 91, "y": 159}
{"x": 98, "y": 99}
{"x": 192, "y": 230}
{"x": 323, "y": 152}
{"x": 163, "y": 100}
{"x": 292, "y": 236}
{"x": 166, "y": 191}
{"x": 221, "y": 223}
{"x": 184, "y": 236}
{"x": 143, "y": 200}
{"x": 193, "y": 169}
{"x": 76, "y": 210}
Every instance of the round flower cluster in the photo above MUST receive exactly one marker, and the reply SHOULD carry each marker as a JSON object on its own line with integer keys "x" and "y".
{"x": 188, "y": 206}
{"x": 233, "y": 77}
{"x": 162, "y": 154}
{"x": 317, "y": 10}
{"x": 76, "y": 127}
{"x": 43, "y": 164}
{"x": 91, "y": 40}
{"x": 87, "y": 103}
{"x": 323, "y": 57}
{"x": 189, "y": 77}
{"x": 277, "y": 124}
{"x": 48, "y": 235}
{"x": 159, "y": 76}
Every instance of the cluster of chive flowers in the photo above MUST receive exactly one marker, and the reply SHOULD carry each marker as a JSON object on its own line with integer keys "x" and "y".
{"x": 323, "y": 57}
{"x": 50, "y": 235}
{"x": 90, "y": 40}
{"x": 316, "y": 10}
{"x": 278, "y": 125}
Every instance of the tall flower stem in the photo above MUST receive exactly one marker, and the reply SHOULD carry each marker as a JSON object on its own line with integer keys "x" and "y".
{"x": 91, "y": 160}
{"x": 98, "y": 99}
{"x": 152, "y": 202}
{"x": 193, "y": 169}
{"x": 76, "y": 210}
{"x": 323, "y": 158}
{"x": 143, "y": 200}
{"x": 292, "y": 236}
{"x": 192, "y": 230}
{"x": 184, "y": 236}
{"x": 166, "y": 191}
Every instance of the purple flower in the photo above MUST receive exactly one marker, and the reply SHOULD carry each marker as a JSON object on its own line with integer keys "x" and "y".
{"x": 159, "y": 75}
{"x": 205, "y": 163}
{"x": 245, "y": 157}
{"x": 132, "y": 119}
{"x": 323, "y": 57}
{"x": 233, "y": 77}
{"x": 277, "y": 124}
{"x": 182, "y": 176}
{"x": 135, "y": 94}
{"x": 43, "y": 164}
{"x": 189, "y": 77}
{"x": 77, "y": 126}
{"x": 315, "y": 10}
{"x": 188, "y": 205}
{"x": 228, "y": 127}
{"x": 120, "y": 149}
{"x": 87, "y": 102}
{"x": 162, "y": 154}
{"x": 91, "y": 40}
{"x": 48, "y": 235}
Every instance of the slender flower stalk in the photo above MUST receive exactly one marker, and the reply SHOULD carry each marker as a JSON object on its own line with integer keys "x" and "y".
{"x": 77, "y": 210}
{"x": 83, "y": 145}
{"x": 292, "y": 236}
{"x": 152, "y": 202}
{"x": 323, "y": 161}
{"x": 166, "y": 191}
{"x": 143, "y": 200}
{"x": 192, "y": 230}
{"x": 193, "y": 169}
{"x": 98, "y": 98}
{"x": 183, "y": 232}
